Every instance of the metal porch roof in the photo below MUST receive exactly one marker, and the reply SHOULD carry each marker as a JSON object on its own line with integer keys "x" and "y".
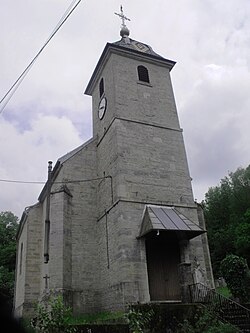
{"x": 167, "y": 218}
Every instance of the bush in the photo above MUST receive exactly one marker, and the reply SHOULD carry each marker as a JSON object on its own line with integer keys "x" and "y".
{"x": 53, "y": 317}
{"x": 138, "y": 320}
{"x": 206, "y": 323}
{"x": 235, "y": 271}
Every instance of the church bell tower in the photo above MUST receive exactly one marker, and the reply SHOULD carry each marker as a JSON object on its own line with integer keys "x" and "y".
{"x": 136, "y": 125}
{"x": 148, "y": 225}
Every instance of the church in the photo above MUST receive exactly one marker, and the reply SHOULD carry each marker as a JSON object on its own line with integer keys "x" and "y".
{"x": 116, "y": 222}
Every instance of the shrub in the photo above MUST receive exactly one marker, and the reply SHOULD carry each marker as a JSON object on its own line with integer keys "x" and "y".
{"x": 206, "y": 323}
{"x": 235, "y": 271}
{"x": 138, "y": 320}
{"x": 53, "y": 317}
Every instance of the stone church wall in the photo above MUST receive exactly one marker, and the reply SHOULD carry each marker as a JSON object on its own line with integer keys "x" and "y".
{"x": 144, "y": 102}
{"x": 73, "y": 228}
{"x": 28, "y": 267}
{"x": 122, "y": 266}
{"x": 20, "y": 269}
{"x": 153, "y": 164}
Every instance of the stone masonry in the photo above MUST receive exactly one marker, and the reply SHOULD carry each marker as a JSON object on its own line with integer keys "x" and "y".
{"x": 99, "y": 191}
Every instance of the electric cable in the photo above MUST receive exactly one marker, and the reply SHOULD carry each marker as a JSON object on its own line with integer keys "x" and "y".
{"x": 6, "y": 98}
{"x": 44, "y": 182}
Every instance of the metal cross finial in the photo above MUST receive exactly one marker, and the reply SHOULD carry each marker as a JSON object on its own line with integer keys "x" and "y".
{"x": 123, "y": 17}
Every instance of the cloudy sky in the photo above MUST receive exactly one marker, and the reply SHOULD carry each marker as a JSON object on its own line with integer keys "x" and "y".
{"x": 49, "y": 115}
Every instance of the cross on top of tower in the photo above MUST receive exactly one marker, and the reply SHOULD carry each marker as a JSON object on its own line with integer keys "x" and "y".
{"x": 123, "y": 17}
{"x": 124, "y": 30}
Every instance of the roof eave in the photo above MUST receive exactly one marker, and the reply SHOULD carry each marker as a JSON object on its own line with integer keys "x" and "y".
{"x": 21, "y": 224}
{"x": 24, "y": 219}
{"x": 112, "y": 48}
{"x": 183, "y": 234}
{"x": 153, "y": 220}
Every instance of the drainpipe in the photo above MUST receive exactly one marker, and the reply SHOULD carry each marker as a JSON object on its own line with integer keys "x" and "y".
{"x": 47, "y": 218}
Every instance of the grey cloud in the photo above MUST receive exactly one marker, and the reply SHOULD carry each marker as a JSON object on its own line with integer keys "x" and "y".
{"x": 213, "y": 102}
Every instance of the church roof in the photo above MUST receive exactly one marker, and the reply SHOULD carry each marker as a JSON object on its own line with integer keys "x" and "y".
{"x": 165, "y": 218}
{"x": 136, "y": 46}
{"x": 131, "y": 43}
{"x": 127, "y": 47}
{"x": 70, "y": 154}
{"x": 131, "y": 48}
{"x": 60, "y": 162}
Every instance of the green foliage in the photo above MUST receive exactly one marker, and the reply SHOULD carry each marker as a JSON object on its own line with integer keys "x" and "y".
{"x": 8, "y": 229}
{"x": 6, "y": 282}
{"x": 138, "y": 320}
{"x": 98, "y": 318}
{"x": 224, "y": 291}
{"x": 205, "y": 323}
{"x": 242, "y": 236}
{"x": 53, "y": 317}
{"x": 185, "y": 327}
{"x": 235, "y": 271}
{"x": 227, "y": 214}
{"x": 222, "y": 328}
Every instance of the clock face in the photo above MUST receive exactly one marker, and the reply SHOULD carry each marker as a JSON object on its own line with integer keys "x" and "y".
{"x": 102, "y": 107}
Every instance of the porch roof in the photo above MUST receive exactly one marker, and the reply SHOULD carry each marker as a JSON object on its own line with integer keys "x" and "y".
{"x": 167, "y": 218}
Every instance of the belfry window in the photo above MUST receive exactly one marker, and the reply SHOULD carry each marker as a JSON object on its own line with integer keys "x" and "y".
{"x": 143, "y": 74}
{"x": 101, "y": 87}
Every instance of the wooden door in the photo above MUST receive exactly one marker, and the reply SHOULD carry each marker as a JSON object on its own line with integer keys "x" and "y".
{"x": 163, "y": 258}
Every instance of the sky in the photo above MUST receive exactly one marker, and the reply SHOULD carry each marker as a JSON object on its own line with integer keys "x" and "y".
{"x": 49, "y": 115}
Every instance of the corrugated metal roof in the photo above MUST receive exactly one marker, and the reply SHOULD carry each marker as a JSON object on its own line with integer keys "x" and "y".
{"x": 168, "y": 219}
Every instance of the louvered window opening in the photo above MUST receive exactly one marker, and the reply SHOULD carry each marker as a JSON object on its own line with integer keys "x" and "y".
{"x": 143, "y": 74}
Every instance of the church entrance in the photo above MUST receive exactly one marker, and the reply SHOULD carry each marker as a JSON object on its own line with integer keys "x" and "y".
{"x": 163, "y": 258}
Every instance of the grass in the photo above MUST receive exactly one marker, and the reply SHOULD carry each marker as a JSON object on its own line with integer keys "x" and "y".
{"x": 98, "y": 318}
{"x": 224, "y": 291}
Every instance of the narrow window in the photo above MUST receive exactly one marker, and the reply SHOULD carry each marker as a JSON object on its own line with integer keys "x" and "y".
{"x": 143, "y": 74}
{"x": 21, "y": 259}
{"x": 101, "y": 87}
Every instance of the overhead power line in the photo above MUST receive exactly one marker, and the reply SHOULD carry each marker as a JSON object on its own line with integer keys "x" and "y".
{"x": 20, "y": 181}
{"x": 44, "y": 182}
{"x": 6, "y": 98}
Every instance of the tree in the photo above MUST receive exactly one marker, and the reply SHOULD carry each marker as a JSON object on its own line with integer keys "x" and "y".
{"x": 235, "y": 271}
{"x": 8, "y": 230}
{"x": 242, "y": 237}
{"x": 227, "y": 214}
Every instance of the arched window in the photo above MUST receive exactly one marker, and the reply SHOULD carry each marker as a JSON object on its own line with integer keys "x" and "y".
{"x": 143, "y": 74}
{"x": 21, "y": 259}
{"x": 101, "y": 87}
